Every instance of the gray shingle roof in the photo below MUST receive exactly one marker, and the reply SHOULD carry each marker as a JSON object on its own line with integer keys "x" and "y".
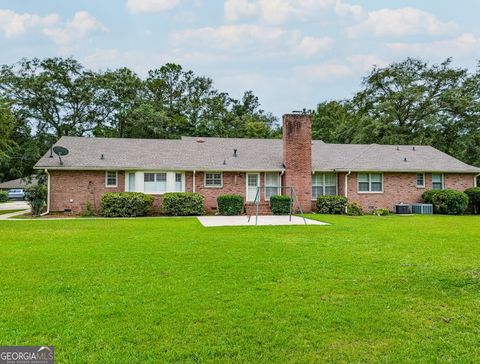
{"x": 252, "y": 155}
{"x": 18, "y": 183}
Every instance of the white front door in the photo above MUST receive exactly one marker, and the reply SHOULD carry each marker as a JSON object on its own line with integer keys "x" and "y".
{"x": 253, "y": 182}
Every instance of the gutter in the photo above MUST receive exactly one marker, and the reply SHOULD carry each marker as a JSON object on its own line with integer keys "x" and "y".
{"x": 48, "y": 194}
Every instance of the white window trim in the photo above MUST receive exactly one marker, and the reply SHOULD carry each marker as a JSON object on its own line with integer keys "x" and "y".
{"x": 443, "y": 181}
{"x": 370, "y": 192}
{"x": 106, "y": 179}
{"x": 279, "y": 192}
{"x": 259, "y": 185}
{"x": 212, "y": 186}
{"x": 323, "y": 186}
{"x": 169, "y": 182}
{"x": 416, "y": 180}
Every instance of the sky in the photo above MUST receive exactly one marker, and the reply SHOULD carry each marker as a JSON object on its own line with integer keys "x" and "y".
{"x": 293, "y": 54}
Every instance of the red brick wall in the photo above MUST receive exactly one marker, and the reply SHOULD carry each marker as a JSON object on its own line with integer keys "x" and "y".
{"x": 297, "y": 156}
{"x": 233, "y": 183}
{"x": 399, "y": 187}
{"x": 73, "y": 189}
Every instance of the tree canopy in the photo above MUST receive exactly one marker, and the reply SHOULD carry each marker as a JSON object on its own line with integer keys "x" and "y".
{"x": 408, "y": 102}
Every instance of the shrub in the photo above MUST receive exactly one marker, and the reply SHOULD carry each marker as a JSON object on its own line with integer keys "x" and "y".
{"x": 230, "y": 204}
{"x": 280, "y": 205}
{"x": 125, "y": 204}
{"x": 88, "y": 210}
{"x": 427, "y": 196}
{"x": 474, "y": 198}
{"x": 331, "y": 204}
{"x": 381, "y": 212}
{"x": 182, "y": 204}
{"x": 3, "y": 196}
{"x": 450, "y": 202}
{"x": 354, "y": 209}
{"x": 36, "y": 196}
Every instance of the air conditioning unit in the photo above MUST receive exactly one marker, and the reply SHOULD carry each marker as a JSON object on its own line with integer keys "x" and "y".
{"x": 422, "y": 208}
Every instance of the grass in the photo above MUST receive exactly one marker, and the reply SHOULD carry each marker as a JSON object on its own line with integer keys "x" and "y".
{"x": 3, "y": 212}
{"x": 363, "y": 289}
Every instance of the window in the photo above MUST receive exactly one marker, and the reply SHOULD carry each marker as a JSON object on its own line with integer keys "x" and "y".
{"x": 178, "y": 182}
{"x": 420, "y": 179}
{"x": 437, "y": 181}
{"x": 324, "y": 184}
{"x": 213, "y": 179}
{"x": 111, "y": 179}
{"x": 272, "y": 184}
{"x": 155, "y": 182}
{"x": 370, "y": 182}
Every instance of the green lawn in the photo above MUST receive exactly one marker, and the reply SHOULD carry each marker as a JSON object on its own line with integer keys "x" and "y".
{"x": 364, "y": 289}
{"x": 3, "y": 212}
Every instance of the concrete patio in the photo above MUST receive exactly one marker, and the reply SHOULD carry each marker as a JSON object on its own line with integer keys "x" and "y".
{"x": 210, "y": 221}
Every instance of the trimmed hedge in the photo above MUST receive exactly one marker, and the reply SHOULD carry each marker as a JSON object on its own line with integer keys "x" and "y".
{"x": 125, "y": 204}
{"x": 280, "y": 205}
{"x": 450, "y": 202}
{"x": 230, "y": 204}
{"x": 427, "y": 196}
{"x": 3, "y": 196}
{"x": 331, "y": 204}
{"x": 182, "y": 204}
{"x": 474, "y": 198}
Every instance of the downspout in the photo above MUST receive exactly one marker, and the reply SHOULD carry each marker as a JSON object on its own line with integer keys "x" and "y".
{"x": 281, "y": 184}
{"x": 346, "y": 189}
{"x": 193, "y": 181}
{"x": 48, "y": 194}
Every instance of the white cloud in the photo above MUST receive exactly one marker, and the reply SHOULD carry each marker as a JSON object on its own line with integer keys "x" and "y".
{"x": 15, "y": 24}
{"x": 282, "y": 11}
{"x": 310, "y": 46}
{"x": 149, "y": 6}
{"x": 463, "y": 45}
{"x": 79, "y": 27}
{"x": 354, "y": 64}
{"x": 237, "y": 9}
{"x": 400, "y": 22}
{"x": 249, "y": 39}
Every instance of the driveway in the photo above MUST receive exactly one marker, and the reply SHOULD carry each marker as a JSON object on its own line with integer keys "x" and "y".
{"x": 14, "y": 205}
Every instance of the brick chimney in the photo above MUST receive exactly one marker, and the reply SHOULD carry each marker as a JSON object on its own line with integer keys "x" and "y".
{"x": 297, "y": 156}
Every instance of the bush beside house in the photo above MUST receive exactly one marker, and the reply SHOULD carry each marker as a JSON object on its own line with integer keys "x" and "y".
{"x": 474, "y": 198}
{"x": 182, "y": 204}
{"x": 280, "y": 205}
{"x": 331, "y": 204}
{"x": 36, "y": 196}
{"x": 427, "y": 196}
{"x": 230, "y": 204}
{"x": 450, "y": 202}
{"x": 3, "y": 196}
{"x": 125, "y": 204}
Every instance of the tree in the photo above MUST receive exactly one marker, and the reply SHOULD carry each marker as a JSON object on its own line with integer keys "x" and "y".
{"x": 55, "y": 95}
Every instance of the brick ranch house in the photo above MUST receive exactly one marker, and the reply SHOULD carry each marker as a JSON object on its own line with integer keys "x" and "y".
{"x": 374, "y": 176}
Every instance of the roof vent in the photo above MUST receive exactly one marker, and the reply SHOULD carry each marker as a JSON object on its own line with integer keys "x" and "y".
{"x": 102, "y": 157}
{"x": 224, "y": 161}
{"x": 405, "y": 159}
{"x": 200, "y": 140}
{"x": 398, "y": 148}
{"x": 413, "y": 148}
{"x": 234, "y": 152}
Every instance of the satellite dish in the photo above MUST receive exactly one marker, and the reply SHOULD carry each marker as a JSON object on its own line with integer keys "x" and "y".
{"x": 60, "y": 151}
